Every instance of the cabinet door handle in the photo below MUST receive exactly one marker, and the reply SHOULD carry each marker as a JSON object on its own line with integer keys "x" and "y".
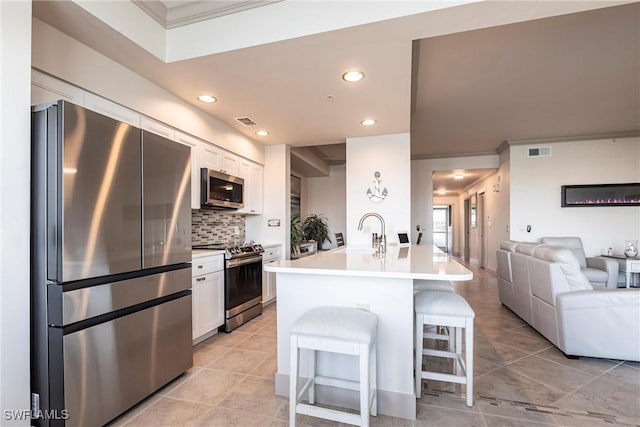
{"x": 201, "y": 279}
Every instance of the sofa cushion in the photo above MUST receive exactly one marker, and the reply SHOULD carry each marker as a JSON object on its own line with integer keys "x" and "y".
{"x": 509, "y": 245}
{"x": 568, "y": 263}
{"x": 574, "y": 244}
{"x": 555, "y": 254}
{"x": 595, "y": 275}
{"x": 526, "y": 248}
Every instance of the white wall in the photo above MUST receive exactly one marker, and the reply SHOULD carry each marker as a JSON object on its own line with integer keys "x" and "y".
{"x": 422, "y": 187}
{"x": 276, "y": 200}
{"x": 535, "y": 192}
{"x": 390, "y": 155}
{"x": 64, "y": 57}
{"x": 15, "y": 81}
{"x": 328, "y": 196}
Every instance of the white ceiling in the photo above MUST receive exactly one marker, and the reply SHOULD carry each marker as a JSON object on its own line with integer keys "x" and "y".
{"x": 564, "y": 76}
{"x": 445, "y": 180}
{"x": 469, "y": 84}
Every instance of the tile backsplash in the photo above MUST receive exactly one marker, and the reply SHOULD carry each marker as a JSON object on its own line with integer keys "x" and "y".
{"x": 212, "y": 226}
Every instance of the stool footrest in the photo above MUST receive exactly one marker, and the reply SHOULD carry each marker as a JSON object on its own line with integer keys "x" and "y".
{"x": 460, "y": 379}
{"x": 328, "y": 414}
{"x": 440, "y": 353}
{"x": 436, "y": 336}
{"x": 338, "y": 382}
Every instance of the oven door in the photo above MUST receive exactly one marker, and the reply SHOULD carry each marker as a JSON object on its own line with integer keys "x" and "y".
{"x": 243, "y": 284}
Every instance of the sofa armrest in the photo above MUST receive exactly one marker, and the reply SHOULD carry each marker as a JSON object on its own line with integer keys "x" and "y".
{"x": 600, "y": 323}
{"x": 609, "y": 265}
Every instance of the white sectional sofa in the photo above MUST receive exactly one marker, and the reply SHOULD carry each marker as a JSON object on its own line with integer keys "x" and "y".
{"x": 543, "y": 285}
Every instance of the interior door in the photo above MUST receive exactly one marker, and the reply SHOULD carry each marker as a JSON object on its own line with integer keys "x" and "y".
{"x": 482, "y": 250}
{"x": 467, "y": 228}
{"x": 166, "y": 183}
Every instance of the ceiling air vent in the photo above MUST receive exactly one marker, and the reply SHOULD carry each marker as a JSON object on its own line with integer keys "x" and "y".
{"x": 539, "y": 152}
{"x": 246, "y": 121}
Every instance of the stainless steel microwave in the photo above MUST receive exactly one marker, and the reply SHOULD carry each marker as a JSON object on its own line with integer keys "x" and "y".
{"x": 221, "y": 191}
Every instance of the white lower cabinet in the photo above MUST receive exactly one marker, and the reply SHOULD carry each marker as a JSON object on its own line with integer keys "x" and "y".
{"x": 207, "y": 287}
{"x": 272, "y": 253}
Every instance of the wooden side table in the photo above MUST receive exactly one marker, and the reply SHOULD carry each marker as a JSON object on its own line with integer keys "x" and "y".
{"x": 628, "y": 266}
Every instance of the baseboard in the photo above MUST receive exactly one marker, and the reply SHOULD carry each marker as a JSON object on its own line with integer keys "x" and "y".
{"x": 492, "y": 270}
{"x": 205, "y": 336}
{"x": 394, "y": 404}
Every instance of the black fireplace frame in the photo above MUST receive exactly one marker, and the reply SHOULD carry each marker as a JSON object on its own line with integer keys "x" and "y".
{"x": 588, "y": 195}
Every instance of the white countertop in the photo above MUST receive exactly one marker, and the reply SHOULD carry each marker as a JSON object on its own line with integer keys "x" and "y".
{"x": 423, "y": 262}
{"x": 197, "y": 253}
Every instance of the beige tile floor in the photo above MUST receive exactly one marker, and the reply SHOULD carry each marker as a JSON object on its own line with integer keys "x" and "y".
{"x": 520, "y": 380}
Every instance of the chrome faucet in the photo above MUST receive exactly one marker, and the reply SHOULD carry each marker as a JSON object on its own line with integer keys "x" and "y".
{"x": 382, "y": 246}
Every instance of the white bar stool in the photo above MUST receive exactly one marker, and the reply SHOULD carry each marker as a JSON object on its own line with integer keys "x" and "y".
{"x": 441, "y": 308}
{"x": 343, "y": 330}
{"x": 435, "y": 285}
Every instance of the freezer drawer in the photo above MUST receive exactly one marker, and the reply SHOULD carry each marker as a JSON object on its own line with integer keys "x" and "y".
{"x": 111, "y": 366}
{"x": 82, "y": 304}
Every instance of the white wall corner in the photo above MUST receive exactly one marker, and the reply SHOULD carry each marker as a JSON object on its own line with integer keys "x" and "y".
{"x": 15, "y": 129}
{"x": 132, "y": 22}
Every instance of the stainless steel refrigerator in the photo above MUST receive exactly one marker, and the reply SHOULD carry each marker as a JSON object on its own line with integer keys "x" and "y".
{"x": 110, "y": 265}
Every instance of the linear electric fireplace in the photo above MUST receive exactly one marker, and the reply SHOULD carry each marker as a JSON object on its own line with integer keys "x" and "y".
{"x": 601, "y": 195}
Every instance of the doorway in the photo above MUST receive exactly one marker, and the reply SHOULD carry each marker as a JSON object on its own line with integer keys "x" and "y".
{"x": 482, "y": 241}
{"x": 466, "y": 231}
{"x": 441, "y": 227}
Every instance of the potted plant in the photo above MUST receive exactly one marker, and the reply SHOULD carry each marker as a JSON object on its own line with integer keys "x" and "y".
{"x": 315, "y": 227}
{"x": 296, "y": 235}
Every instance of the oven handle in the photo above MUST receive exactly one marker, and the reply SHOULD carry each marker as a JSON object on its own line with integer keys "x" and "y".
{"x": 237, "y": 262}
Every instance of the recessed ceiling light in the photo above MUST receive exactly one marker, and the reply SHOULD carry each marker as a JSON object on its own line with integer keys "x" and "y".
{"x": 262, "y": 133}
{"x": 368, "y": 122}
{"x": 207, "y": 98}
{"x": 352, "y": 76}
{"x": 442, "y": 192}
{"x": 458, "y": 176}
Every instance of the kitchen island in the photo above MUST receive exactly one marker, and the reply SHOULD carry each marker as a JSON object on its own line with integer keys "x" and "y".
{"x": 359, "y": 277}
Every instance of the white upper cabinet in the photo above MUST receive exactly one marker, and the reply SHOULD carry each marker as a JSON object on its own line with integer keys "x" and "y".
{"x": 194, "y": 144}
{"x": 157, "y": 128}
{"x": 229, "y": 163}
{"x": 45, "y": 89}
{"x": 209, "y": 156}
{"x": 216, "y": 158}
{"x": 111, "y": 109}
{"x": 252, "y": 175}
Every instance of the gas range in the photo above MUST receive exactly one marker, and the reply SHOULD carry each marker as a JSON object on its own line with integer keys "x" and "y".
{"x": 242, "y": 282}
{"x": 232, "y": 251}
